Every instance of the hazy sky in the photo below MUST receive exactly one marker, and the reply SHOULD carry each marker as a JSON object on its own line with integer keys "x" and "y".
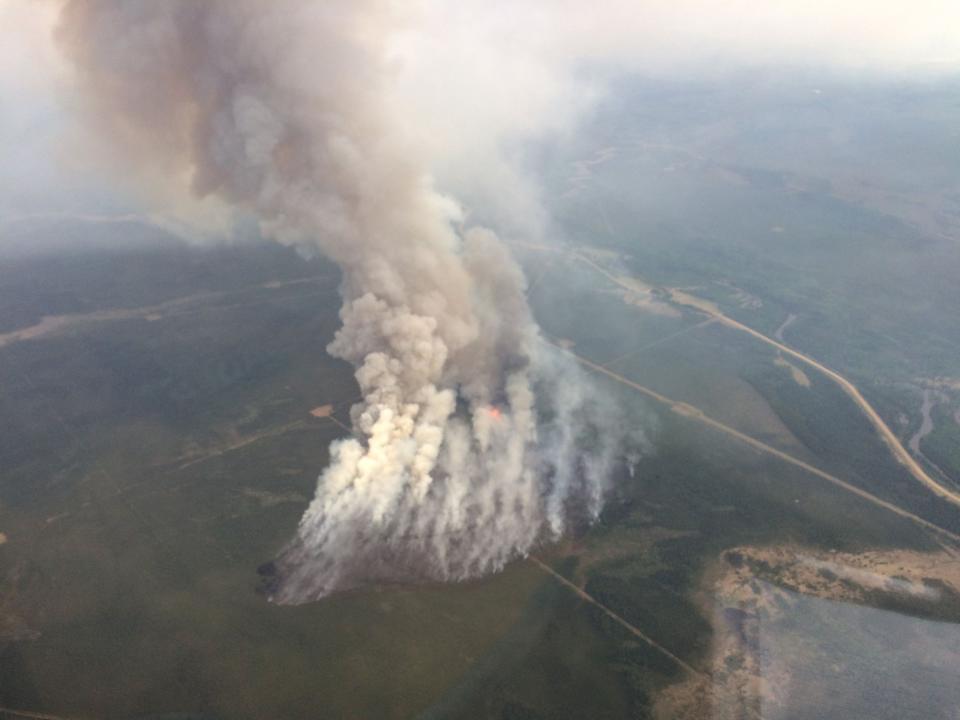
{"x": 472, "y": 75}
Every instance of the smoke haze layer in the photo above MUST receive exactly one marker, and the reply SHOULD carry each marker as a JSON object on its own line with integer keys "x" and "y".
{"x": 471, "y": 442}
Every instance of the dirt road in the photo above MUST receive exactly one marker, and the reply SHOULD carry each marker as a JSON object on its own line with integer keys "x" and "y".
{"x": 883, "y": 430}
{"x": 635, "y": 631}
{"x": 698, "y": 415}
{"x": 56, "y": 324}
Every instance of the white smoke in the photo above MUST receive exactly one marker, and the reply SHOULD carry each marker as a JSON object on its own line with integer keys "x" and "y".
{"x": 472, "y": 442}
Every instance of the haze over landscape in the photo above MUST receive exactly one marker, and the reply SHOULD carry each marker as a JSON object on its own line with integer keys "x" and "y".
{"x": 494, "y": 360}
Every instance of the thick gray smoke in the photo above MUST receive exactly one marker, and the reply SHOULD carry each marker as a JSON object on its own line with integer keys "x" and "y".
{"x": 472, "y": 442}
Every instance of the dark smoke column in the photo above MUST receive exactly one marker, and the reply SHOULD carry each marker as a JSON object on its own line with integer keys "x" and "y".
{"x": 284, "y": 110}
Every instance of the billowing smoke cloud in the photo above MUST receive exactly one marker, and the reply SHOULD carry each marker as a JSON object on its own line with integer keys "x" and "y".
{"x": 472, "y": 442}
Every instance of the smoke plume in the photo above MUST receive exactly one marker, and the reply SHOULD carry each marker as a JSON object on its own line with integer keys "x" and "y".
{"x": 472, "y": 442}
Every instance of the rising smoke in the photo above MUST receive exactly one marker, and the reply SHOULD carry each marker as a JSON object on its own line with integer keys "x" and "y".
{"x": 472, "y": 441}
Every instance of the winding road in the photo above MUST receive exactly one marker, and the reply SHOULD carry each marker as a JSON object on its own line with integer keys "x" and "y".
{"x": 883, "y": 430}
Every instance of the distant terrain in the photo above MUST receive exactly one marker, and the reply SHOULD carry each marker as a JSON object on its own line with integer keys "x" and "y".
{"x": 166, "y": 409}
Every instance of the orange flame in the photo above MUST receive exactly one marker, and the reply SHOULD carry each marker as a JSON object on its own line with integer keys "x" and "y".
{"x": 495, "y": 412}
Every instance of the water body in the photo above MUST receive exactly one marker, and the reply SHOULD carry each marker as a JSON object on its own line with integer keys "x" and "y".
{"x": 834, "y": 660}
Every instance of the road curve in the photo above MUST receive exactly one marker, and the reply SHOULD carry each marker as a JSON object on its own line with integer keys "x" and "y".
{"x": 883, "y": 430}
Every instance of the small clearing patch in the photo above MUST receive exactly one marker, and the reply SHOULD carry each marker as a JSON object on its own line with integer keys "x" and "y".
{"x": 798, "y": 375}
{"x": 322, "y": 411}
